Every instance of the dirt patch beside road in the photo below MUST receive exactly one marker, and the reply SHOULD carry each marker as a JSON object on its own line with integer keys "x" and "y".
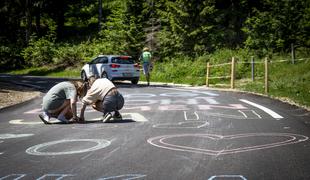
{"x": 11, "y": 94}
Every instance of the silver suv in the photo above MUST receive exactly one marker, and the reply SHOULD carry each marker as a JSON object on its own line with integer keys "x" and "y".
{"x": 113, "y": 67}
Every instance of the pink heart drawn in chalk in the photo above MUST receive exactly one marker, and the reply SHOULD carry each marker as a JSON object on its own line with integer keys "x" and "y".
{"x": 285, "y": 139}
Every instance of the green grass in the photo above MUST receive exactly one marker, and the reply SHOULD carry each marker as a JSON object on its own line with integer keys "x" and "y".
{"x": 48, "y": 71}
{"x": 286, "y": 80}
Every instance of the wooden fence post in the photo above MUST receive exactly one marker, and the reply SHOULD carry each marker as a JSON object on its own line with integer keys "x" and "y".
{"x": 293, "y": 53}
{"x": 208, "y": 74}
{"x": 266, "y": 76}
{"x": 252, "y": 68}
{"x": 232, "y": 77}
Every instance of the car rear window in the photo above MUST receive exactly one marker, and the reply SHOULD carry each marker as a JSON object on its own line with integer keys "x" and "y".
{"x": 123, "y": 60}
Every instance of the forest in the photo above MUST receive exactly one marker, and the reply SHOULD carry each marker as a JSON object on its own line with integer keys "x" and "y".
{"x": 69, "y": 32}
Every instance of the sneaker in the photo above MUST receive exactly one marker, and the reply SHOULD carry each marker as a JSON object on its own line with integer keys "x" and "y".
{"x": 106, "y": 117}
{"x": 63, "y": 119}
{"x": 117, "y": 116}
{"x": 44, "y": 118}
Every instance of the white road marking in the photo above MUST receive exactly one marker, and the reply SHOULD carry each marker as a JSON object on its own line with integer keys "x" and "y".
{"x": 10, "y": 136}
{"x": 268, "y": 111}
{"x": 135, "y": 117}
{"x": 21, "y": 121}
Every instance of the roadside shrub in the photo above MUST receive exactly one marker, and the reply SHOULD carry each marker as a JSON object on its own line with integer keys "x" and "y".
{"x": 68, "y": 56}
{"x": 180, "y": 70}
{"x": 10, "y": 57}
{"x": 39, "y": 52}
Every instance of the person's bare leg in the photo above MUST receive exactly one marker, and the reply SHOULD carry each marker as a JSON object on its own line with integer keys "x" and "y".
{"x": 55, "y": 113}
{"x": 65, "y": 111}
{"x": 147, "y": 76}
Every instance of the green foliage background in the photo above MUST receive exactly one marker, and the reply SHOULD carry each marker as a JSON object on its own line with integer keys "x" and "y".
{"x": 58, "y": 37}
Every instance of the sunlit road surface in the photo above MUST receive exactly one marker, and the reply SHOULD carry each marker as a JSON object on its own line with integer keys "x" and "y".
{"x": 166, "y": 133}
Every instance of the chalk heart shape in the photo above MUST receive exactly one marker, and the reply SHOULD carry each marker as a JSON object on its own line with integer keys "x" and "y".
{"x": 246, "y": 142}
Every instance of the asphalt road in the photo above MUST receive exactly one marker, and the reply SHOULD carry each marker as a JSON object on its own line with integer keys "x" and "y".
{"x": 166, "y": 133}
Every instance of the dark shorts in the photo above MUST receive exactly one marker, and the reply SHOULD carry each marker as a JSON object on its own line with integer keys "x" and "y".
{"x": 146, "y": 68}
{"x": 113, "y": 102}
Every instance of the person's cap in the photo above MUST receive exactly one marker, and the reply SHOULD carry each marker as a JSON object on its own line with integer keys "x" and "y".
{"x": 146, "y": 49}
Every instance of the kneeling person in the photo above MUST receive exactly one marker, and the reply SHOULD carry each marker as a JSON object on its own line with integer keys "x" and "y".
{"x": 60, "y": 101}
{"x": 104, "y": 97}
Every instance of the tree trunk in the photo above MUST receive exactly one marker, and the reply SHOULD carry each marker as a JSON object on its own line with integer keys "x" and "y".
{"x": 28, "y": 20}
{"x": 100, "y": 15}
{"x": 38, "y": 19}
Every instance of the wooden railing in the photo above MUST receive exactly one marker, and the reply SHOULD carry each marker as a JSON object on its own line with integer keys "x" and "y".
{"x": 232, "y": 66}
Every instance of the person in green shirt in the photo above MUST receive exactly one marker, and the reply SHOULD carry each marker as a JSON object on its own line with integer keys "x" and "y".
{"x": 145, "y": 60}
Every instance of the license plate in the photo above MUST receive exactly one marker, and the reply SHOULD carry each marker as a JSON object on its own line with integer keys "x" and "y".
{"x": 127, "y": 74}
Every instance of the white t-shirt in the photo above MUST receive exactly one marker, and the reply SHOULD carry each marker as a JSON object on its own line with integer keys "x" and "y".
{"x": 98, "y": 91}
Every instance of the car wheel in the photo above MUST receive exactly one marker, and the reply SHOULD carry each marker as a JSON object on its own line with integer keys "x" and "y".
{"x": 83, "y": 76}
{"x": 104, "y": 75}
{"x": 135, "y": 81}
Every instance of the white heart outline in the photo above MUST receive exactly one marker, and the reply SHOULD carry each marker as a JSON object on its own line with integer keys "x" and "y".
{"x": 159, "y": 142}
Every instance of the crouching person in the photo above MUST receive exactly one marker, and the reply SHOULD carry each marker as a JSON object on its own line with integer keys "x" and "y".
{"x": 104, "y": 97}
{"x": 60, "y": 101}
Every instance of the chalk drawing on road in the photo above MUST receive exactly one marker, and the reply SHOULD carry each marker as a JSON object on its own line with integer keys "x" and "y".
{"x": 235, "y": 177}
{"x": 194, "y": 91}
{"x": 13, "y": 176}
{"x": 23, "y": 122}
{"x": 286, "y": 139}
{"x": 250, "y": 114}
{"x": 34, "y": 111}
{"x": 139, "y": 108}
{"x": 136, "y": 117}
{"x": 10, "y": 136}
{"x": 45, "y": 176}
{"x": 1, "y": 152}
{"x": 186, "y": 116}
{"x": 92, "y": 126}
{"x": 38, "y": 149}
{"x": 39, "y": 110}
{"x": 240, "y": 114}
{"x": 229, "y": 106}
{"x": 125, "y": 177}
{"x": 186, "y": 124}
{"x": 179, "y": 94}
{"x": 267, "y": 110}
{"x": 54, "y": 176}
{"x": 140, "y": 95}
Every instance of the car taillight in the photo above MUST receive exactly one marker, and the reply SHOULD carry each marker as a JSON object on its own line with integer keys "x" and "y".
{"x": 114, "y": 66}
{"x": 124, "y": 57}
{"x": 136, "y": 65}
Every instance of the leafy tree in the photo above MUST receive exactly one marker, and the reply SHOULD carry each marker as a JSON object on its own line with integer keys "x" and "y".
{"x": 187, "y": 26}
{"x": 276, "y": 24}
